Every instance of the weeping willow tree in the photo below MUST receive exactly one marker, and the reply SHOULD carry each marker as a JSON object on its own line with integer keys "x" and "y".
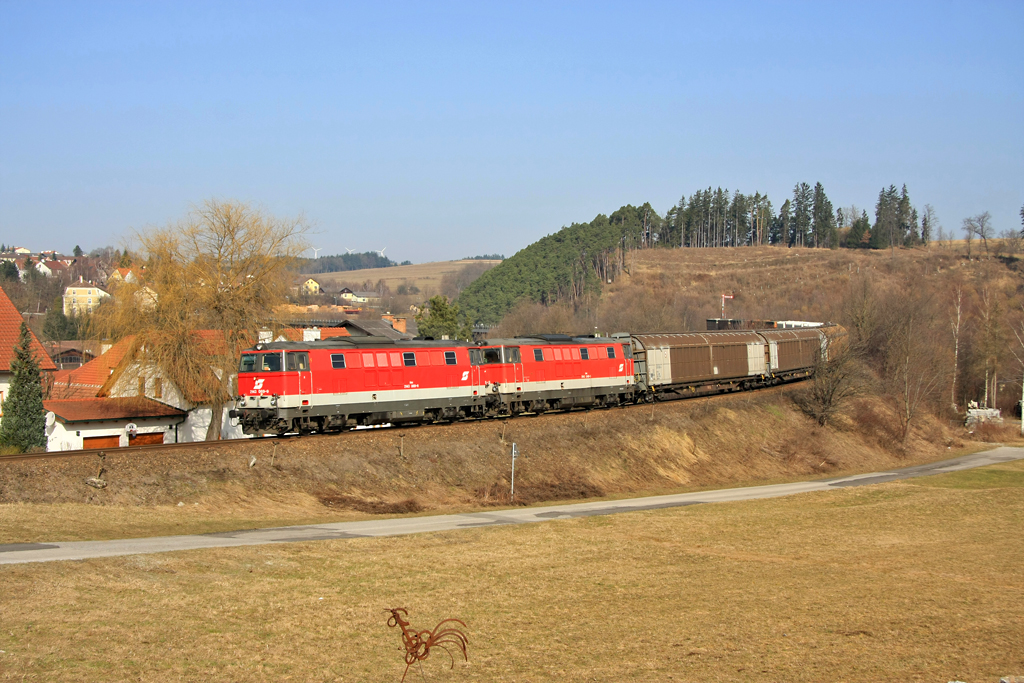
{"x": 202, "y": 289}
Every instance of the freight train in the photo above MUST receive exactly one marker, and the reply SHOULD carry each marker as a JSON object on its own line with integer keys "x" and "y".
{"x": 346, "y": 382}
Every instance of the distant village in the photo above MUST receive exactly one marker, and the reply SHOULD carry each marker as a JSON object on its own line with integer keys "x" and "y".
{"x": 104, "y": 394}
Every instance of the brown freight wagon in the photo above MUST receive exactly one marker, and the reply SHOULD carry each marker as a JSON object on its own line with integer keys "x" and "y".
{"x": 700, "y": 356}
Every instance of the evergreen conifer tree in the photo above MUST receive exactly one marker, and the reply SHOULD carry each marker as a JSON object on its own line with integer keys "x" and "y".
{"x": 823, "y": 220}
{"x": 444, "y": 319}
{"x": 803, "y": 199}
{"x": 23, "y": 425}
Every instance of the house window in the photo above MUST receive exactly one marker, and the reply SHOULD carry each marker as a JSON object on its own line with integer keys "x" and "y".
{"x": 158, "y": 387}
{"x": 338, "y": 361}
{"x": 538, "y": 355}
{"x": 584, "y": 354}
{"x": 449, "y": 358}
{"x": 611, "y": 352}
{"x": 409, "y": 358}
{"x": 142, "y": 386}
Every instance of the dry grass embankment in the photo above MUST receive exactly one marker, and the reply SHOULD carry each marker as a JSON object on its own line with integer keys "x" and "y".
{"x": 729, "y": 440}
{"x": 916, "y": 580}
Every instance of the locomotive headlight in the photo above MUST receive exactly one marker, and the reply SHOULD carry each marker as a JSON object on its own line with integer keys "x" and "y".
{"x": 273, "y": 400}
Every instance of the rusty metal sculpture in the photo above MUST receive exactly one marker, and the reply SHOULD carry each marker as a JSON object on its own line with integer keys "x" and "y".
{"x": 418, "y": 643}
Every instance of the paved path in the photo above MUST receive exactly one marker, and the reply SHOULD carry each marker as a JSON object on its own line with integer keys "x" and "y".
{"x": 15, "y": 553}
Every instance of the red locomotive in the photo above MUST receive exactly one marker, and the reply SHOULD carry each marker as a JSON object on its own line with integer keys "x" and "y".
{"x": 345, "y": 382}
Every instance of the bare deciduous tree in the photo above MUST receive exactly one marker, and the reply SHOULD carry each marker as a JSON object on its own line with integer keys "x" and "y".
{"x": 955, "y": 323}
{"x": 911, "y": 371}
{"x": 836, "y": 380}
{"x": 980, "y": 225}
{"x": 211, "y": 281}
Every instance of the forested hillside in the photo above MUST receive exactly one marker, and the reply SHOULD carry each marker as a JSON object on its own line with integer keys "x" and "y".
{"x": 570, "y": 265}
{"x": 343, "y": 262}
{"x": 561, "y": 267}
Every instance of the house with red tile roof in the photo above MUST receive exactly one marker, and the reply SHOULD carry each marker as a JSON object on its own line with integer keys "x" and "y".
{"x": 73, "y": 424}
{"x": 10, "y": 330}
{"x": 136, "y": 375}
{"x": 87, "y": 380}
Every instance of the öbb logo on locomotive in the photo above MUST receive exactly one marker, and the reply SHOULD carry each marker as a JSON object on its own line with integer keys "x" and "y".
{"x": 345, "y": 382}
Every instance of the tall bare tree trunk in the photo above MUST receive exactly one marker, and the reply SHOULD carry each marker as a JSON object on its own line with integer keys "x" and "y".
{"x": 955, "y": 324}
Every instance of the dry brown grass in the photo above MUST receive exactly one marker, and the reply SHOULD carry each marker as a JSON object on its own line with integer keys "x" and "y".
{"x": 426, "y": 276}
{"x": 905, "y": 581}
{"x": 734, "y": 440}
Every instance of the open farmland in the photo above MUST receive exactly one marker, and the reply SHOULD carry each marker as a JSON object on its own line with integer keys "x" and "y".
{"x": 426, "y": 276}
{"x": 912, "y": 580}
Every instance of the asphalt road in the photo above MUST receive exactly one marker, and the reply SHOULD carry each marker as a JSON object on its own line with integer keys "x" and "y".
{"x": 16, "y": 553}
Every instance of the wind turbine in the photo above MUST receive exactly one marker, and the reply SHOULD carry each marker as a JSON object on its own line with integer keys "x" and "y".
{"x": 349, "y": 250}
{"x": 381, "y": 252}
{"x": 316, "y": 250}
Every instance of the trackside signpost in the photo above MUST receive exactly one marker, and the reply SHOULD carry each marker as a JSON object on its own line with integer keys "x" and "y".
{"x": 515, "y": 453}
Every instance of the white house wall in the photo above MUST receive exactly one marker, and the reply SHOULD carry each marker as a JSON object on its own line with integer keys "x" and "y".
{"x": 5, "y": 386}
{"x": 198, "y": 420}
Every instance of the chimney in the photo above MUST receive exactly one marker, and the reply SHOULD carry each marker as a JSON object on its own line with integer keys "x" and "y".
{"x": 397, "y": 323}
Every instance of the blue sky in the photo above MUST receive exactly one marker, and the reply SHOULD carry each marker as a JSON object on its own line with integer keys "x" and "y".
{"x": 442, "y": 130}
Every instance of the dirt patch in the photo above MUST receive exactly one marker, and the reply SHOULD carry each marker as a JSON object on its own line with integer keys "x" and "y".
{"x": 374, "y": 507}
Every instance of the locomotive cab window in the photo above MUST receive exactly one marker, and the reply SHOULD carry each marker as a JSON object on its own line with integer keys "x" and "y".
{"x": 485, "y": 356}
{"x": 611, "y": 352}
{"x": 627, "y": 351}
{"x": 449, "y": 358}
{"x": 538, "y": 355}
{"x": 409, "y": 359}
{"x": 298, "y": 361}
{"x": 338, "y": 361}
{"x": 585, "y": 354}
{"x": 511, "y": 354}
{"x": 260, "y": 362}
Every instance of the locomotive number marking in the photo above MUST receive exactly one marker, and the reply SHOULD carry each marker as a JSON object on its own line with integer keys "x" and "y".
{"x": 465, "y": 375}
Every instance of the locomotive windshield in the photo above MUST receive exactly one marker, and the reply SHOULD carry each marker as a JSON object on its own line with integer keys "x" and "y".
{"x": 260, "y": 362}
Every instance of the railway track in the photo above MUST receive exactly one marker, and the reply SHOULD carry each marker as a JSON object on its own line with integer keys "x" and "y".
{"x": 236, "y": 443}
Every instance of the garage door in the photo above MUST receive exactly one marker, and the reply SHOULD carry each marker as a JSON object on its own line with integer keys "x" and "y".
{"x": 146, "y": 439}
{"x": 101, "y": 441}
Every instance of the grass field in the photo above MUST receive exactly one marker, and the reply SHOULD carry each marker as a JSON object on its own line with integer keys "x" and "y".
{"x": 426, "y": 276}
{"x": 905, "y": 581}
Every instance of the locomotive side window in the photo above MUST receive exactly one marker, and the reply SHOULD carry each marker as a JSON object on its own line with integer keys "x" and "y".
{"x": 409, "y": 359}
{"x": 510, "y": 354}
{"x": 338, "y": 361}
{"x": 627, "y": 351}
{"x": 298, "y": 361}
{"x": 449, "y": 358}
{"x": 611, "y": 352}
{"x": 538, "y": 355}
{"x": 585, "y": 354}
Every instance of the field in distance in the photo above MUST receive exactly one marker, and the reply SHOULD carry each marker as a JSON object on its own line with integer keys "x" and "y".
{"x": 426, "y": 276}
{"x": 916, "y": 580}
